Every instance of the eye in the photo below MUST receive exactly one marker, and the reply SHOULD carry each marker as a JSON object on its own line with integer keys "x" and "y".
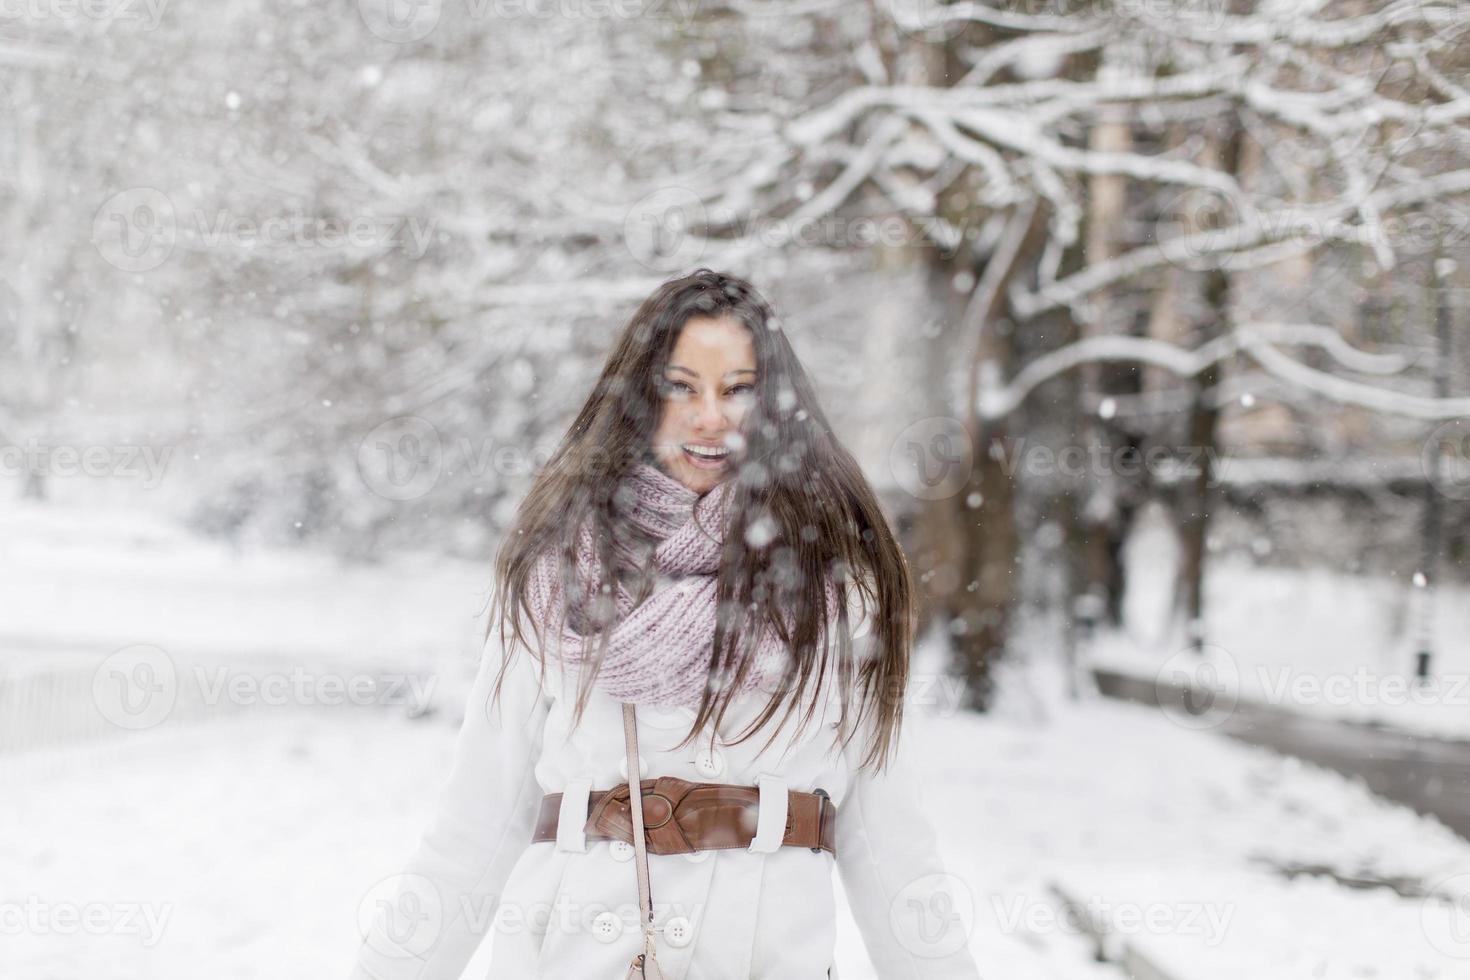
{"x": 671, "y": 387}
{"x": 742, "y": 389}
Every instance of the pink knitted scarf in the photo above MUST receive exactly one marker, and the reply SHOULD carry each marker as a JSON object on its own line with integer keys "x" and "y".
{"x": 658, "y": 652}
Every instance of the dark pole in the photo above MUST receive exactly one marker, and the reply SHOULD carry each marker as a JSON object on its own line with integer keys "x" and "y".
{"x": 1433, "y": 500}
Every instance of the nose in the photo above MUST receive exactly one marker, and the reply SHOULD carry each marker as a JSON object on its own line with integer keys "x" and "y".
{"x": 710, "y": 415}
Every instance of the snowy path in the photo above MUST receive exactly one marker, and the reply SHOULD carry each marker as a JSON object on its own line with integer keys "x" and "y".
{"x": 1184, "y": 830}
{"x": 1321, "y": 642}
{"x": 1428, "y": 774}
{"x": 244, "y": 846}
{"x": 253, "y": 841}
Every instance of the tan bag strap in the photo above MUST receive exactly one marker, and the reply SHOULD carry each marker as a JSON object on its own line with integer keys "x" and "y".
{"x": 640, "y": 845}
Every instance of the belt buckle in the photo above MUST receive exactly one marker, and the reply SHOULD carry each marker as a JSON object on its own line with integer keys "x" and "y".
{"x": 613, "y": 815}
{"x": 821, "y": 812}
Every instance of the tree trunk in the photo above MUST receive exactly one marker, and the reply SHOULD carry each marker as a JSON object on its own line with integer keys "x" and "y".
{"x": 1202, "y": 435}
{"x": 1105, "y": 517}
{"x": 971, "y": 529}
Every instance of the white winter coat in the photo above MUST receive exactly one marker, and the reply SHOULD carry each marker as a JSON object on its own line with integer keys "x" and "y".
{"x": 568, "y": 909}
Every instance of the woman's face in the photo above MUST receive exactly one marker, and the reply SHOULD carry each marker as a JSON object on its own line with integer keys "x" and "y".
{"x": 706, "y": 391}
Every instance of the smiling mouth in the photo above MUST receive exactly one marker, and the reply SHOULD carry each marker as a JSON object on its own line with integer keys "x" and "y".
{"x": 706, "y": 457}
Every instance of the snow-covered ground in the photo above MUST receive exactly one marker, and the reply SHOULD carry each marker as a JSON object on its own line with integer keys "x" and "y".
{"x": 244, "y": 844}
{"x": 1316, "y": 641}
{"x": 81, "y": 579}
{"x": 101, "y": 605}
{"x": 244, "y": 848}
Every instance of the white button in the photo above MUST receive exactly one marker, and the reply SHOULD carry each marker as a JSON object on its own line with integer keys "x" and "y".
{"x": 695, "y": 857}
{"x": 621, "y": 850}
{"x": 710, "y": 763}
{"x": 642, "y": 767}
{"x": 678, "y": 931}
{"x": 608, "y": 926}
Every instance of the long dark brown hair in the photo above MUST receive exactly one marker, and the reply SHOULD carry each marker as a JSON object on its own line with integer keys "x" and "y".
{"x": 821, "y": 523}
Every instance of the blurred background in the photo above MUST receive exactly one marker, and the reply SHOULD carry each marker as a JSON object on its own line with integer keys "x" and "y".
{"x": 1147, "y": 320}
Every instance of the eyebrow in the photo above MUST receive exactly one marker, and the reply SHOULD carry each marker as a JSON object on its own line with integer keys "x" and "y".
{"x": 728, "y": 374}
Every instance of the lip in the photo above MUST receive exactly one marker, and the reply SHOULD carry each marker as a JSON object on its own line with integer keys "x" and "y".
{"x": 699, "y": 462}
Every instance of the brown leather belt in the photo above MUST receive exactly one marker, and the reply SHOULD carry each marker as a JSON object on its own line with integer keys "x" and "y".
{"x": 680, "y": 816}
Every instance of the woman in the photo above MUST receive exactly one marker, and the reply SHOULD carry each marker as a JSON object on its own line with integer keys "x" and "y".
{"x": 699, "y": 546}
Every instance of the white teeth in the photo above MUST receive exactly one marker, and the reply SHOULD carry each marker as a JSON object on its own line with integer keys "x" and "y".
{"x": 707, "y": 451}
